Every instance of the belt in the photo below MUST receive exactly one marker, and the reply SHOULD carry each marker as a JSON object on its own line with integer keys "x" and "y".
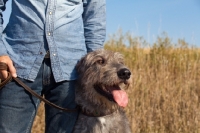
{"x": 3, "y": 66}
{"x": 47, "y": 55}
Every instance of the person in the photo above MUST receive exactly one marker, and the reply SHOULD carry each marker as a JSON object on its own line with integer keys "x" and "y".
{"x": 67, "y": 30}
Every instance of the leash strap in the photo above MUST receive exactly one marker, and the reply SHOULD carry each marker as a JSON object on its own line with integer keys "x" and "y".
{"x": 3, "y": 66}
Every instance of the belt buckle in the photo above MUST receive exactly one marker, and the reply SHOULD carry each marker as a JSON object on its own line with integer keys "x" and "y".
{"x": 47, "y": 54}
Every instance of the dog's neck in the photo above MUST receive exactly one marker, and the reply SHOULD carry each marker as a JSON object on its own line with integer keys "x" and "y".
{"x": 95, "y": 106}
{"x": 96, "y": 113}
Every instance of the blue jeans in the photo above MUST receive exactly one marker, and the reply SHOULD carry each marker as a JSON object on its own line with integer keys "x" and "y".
{"x": 18, "y": 107}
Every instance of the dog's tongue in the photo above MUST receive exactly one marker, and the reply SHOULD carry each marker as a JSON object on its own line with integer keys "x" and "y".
{"x": 120, "y": 97}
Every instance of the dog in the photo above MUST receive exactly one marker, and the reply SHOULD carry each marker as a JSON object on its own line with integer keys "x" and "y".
{"x": 100, "y": 93}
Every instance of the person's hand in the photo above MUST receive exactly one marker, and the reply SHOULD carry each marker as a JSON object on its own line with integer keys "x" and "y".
{"x": 11, "y": 68}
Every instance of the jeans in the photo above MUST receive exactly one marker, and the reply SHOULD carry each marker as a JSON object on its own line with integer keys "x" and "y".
{"x": 18, "y": 107}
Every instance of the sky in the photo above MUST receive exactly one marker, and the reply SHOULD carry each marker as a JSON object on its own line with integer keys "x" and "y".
{"x": 180, "y": 19}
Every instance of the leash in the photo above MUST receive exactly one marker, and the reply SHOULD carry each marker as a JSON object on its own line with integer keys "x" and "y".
{"x": 3, "y": 66}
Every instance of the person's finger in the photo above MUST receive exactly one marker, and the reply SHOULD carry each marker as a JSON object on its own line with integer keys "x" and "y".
{"x": 12, "y": 69}
{"x": 3, "y": 74}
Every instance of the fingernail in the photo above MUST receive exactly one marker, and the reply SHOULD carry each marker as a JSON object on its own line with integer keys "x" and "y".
{"x": 15, "y": 75}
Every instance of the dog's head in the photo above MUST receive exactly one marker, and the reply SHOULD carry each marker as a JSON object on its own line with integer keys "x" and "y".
{"x": 103, "y": 77}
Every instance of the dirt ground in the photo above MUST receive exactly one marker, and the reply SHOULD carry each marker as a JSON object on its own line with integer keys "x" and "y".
{"x": 38, "y": 125}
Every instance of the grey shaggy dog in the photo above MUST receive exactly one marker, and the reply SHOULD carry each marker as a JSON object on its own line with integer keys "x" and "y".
{"x": 103, "y": 77}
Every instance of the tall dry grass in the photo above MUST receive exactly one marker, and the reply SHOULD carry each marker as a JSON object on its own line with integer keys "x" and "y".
{"x": 165, "y": 92}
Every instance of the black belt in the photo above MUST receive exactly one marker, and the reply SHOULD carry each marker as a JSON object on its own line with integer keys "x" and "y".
{"x": 47, "y": 55}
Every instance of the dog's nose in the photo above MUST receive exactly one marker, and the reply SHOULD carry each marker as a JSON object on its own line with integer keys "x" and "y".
{"x": 124, "y": 73}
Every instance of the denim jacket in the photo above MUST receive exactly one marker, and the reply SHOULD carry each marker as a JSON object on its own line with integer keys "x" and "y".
{"x": 67, "y": 28}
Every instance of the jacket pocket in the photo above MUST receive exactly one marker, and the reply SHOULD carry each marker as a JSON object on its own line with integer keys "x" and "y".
{"x": 75, "y": 1}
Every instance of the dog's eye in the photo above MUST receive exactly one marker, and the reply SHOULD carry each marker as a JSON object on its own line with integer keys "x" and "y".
{"x": 101, "y": 61}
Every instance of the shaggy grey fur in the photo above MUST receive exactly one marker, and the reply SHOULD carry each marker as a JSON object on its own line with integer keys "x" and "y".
{"x": 101, "y": 69}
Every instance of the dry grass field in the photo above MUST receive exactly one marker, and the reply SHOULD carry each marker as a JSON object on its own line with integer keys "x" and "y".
{"x": 164, "y": 96}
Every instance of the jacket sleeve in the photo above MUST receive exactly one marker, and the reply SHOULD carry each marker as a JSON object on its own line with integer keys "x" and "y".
{"x": 94, "y": 19}
{"x": 3, "y": 50}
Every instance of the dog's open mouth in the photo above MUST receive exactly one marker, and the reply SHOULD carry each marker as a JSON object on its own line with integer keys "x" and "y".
{"x": 113, "y": 93}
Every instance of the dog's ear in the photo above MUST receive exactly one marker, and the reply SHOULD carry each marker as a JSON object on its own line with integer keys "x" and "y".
{"x": 79, "y": 65}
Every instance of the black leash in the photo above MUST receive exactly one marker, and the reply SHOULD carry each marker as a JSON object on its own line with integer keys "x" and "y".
{"x": 3, "y": 66}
